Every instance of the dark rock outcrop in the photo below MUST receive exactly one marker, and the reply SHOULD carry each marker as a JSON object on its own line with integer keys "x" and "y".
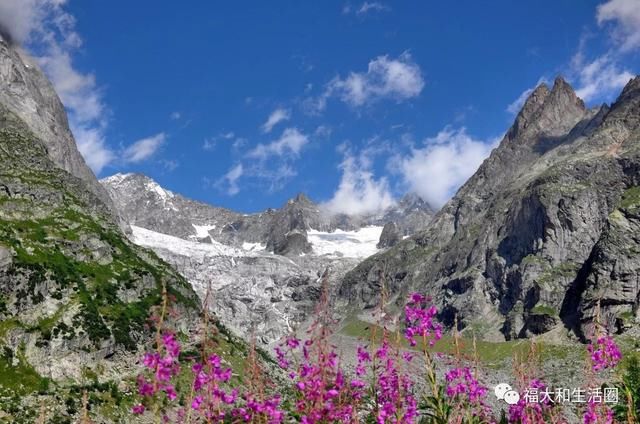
{"x": 390, "y": 235}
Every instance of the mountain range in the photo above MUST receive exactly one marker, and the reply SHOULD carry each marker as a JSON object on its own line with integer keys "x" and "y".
{"x": 539, "y": 242}
{"x": 262, "y": 265}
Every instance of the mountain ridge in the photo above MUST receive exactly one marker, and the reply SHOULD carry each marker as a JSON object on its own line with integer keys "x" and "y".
{"x": 515, "y": 238}
{"x": 143, "y": 202}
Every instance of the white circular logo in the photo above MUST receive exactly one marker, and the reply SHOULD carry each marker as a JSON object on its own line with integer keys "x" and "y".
{"x": 501, "y": 389}
{"x": 511, "y": 397}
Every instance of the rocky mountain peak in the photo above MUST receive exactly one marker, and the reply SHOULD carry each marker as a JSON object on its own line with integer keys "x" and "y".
{"x": 542, "y": 235}
{"x": 563, "y": 95}
{"x": 26, "y": 92}
{"x": 533, "y": 102}
{"x": 632, "y": 89}
{"x": 301, "y": 199}
{"x": 411, "y": 201}
{"x": 548, "y": 114}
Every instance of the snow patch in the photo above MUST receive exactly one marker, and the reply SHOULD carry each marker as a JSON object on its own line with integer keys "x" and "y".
{"x": 162, "y": 193}
{"x": 253, "y": 247}
{"x": 153, "y": 240}
{"x": 115, "y": 179}
{"x": 202, "y": 231}
{"x": 351, "y": 244}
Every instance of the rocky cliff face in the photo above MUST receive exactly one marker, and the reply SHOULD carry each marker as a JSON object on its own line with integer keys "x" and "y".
{"x": 26, "y": 91}
{"x": 75, "y": 294}
{"x": 541, "y": 233}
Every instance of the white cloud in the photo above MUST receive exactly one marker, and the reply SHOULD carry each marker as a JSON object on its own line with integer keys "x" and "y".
{"x": 43, "y": 26}
{"x": 323, "y": 131}
{"x": 175, "y": 116}
{"x": 517, "y": 104}
{"x": 268, "y": 166}
{"x": 170, "y": 164}
{"x": 91, "y": 145}
{"x": 24, "y": 20}
{"x": 231, "y": 179}
{"x": 273, "y": 177}
{"x": 143, "y": 149}
{"x": 374, "y": 6}
{"x": 239, "y": 143}
{"x": 77, "y": 91}
{"x": 359, "y": 192}
{"x": 364, "y": 8}
{"x": 625, "y": 15}
{"x": 210, "y": 143}
{"x": 275, "y": 118}
{"x": 600, "y": 79}
{"x": 445, "y": 162}
{"x": 290, "y": 143}
{"x": 385, "y": 78}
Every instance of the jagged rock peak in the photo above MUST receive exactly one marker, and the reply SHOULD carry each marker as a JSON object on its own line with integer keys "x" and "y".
{"x": 390, "y": 236}
{"x": 413, "y": 201}
{"x": 563, "y": 94}
{"x": 540, "y": 235}
{"x": 118, "y": 178}
{"x": 551, "y": 112}
{"x": 534, "y": 101}
{"x": 301, "y": 198}
{"x": 631, "y": 89}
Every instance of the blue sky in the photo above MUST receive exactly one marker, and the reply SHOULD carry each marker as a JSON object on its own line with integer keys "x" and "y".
{"x": 367, "y": 100}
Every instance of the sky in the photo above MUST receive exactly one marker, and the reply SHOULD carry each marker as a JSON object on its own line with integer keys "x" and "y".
{"x": 244, "y": 104}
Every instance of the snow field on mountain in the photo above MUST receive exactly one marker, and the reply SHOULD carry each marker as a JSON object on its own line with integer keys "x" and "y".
{"x": 152, "y": 239}
{"x": 350, "y": 244}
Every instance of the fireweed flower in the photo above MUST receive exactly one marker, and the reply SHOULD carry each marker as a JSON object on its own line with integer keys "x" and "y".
{"x": 463, "y": 387}
{"x": 525, "y": 412}
{"x": 604, "y": 353}
{"x": 254, "y": 409}
{"x": 462, "y": 383}
{"x": 597, "y": 413}
{"x": 138, "y": 409}
{"x": 323, "y": 391}
{"x": 196, "y": 402}
{"x": 394, "y": 389}
{"x": 163, "y": 367}
{"x": 420, "y": 320}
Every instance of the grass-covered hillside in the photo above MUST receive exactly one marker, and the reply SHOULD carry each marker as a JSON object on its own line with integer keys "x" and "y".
{"x": 75, "y": 295}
